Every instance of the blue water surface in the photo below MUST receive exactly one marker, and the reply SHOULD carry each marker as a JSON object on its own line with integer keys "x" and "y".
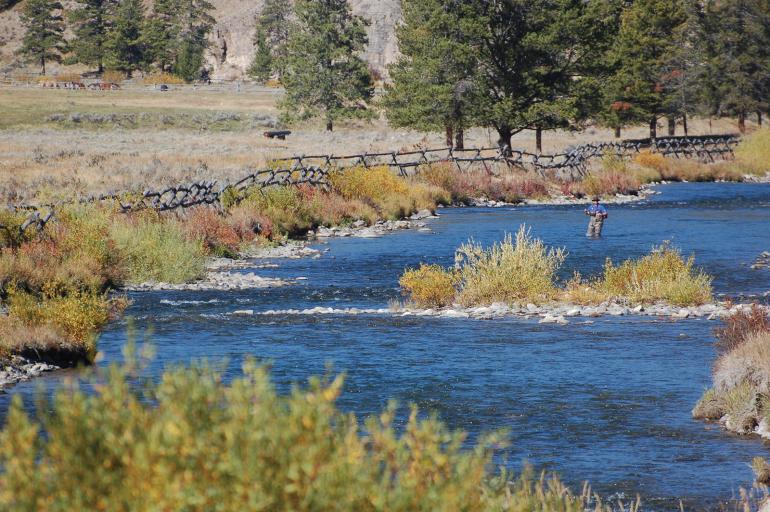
{"x": 607, "y": 401}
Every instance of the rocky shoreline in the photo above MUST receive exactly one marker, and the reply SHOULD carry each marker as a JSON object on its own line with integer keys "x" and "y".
{"x": 561, "y": 314}
{"x": 19, "y": 369}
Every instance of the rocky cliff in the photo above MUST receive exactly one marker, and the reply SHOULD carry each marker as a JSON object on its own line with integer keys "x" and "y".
{"x": 232, "y": 48}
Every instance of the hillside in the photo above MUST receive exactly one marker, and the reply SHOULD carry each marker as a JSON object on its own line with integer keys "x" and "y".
{"x": 232, "y": 49}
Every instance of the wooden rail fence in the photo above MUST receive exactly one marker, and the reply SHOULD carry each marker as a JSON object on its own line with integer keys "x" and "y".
{"x": 314, "y": 170}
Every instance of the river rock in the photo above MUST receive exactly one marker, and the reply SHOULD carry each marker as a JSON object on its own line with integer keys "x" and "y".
{"x": 550, "y": 319}
{"x": 18, "y": 369}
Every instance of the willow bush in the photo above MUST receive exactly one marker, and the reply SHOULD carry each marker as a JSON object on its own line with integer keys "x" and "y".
{"x": 192, "y": 442}
{"x": 513, "y": 270}
{"x": 662, "y": 275}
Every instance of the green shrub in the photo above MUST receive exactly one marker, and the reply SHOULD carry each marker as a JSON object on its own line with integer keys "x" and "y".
{"x": 429, "y": 286}
{"x": 192, "y": 442}
{"x": 511, "y": 271}
{"x": 156, "y": 249}
{"x": 662, "y": 275}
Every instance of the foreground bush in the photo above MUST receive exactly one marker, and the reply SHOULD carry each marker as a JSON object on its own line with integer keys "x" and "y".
{"x": 662, "y": 275}
{"x": 740, "y": 397}
{"x": 193, "y": 443}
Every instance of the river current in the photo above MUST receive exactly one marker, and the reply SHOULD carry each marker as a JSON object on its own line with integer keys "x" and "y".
{"x": 607, "y": 401}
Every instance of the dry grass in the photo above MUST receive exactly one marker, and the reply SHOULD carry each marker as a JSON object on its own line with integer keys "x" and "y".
{"x": 741, "y": 392}
{"x": 753, "y": 153}
{"x": 748, "y": 362}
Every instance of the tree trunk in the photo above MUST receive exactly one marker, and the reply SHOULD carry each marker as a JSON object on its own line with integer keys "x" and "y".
{"x": 42, "y": 64}
{"x": 460, "y": 139}
{"x": 449, "y": 135}
{"x": 504, "y": 134}
{"x": 671, "y": 126}
{"x": 617, "y": 132}
{"x": 684, "y": 123}
{"x": 759, "y": 118}
{"x": 539, "y": 140}
{"x": 742, "y": 122}
{"x": 654, "y": 128}
{"x": 329, "y": 125}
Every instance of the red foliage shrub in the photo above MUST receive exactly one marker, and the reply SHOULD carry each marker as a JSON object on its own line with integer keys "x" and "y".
{"x": 213, "y": 229}
{"x": 739, "y": 326}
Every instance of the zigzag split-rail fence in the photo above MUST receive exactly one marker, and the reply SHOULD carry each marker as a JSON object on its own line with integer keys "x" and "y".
{"x": 314, "y": 170}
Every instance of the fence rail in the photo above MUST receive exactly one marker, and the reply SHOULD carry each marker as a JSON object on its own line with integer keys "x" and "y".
{"x": 314, "y": 170}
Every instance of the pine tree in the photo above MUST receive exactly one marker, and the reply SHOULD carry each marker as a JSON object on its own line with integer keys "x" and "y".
{"x": 160, "y": 34}
{"x": 323, "y": 73}
{"x": 737, "y": 42}
{"x": 195, "y": 24}
{"x": 43, "y": 40}
{"x": 124, "y": 45}
{"x": 261, "y": 68}
{"x": 433, "y": 80}
{"x": 536, "y": 61}
{"x": 270, "y": 38}
{"x": 91, "y": 23}
{"x": 644, "y": 48}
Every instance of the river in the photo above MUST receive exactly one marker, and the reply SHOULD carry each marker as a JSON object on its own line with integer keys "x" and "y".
{"x": 607, "y": 401}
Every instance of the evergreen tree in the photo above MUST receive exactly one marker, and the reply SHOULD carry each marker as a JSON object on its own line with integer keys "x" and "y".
{"x": 643, "y": 50}
{"x": 43, "y": 40}
{"x": 681, "y": 75}
{"x": 537, "y": 60}
{"x": 737, "y": 42}
{"x": 160, "y": 34}
{"x": 195, "y": 24}
{"x": 323, "y": 74}
{"x": 270, "y": 38}
{"x": 261, "y": 68}
{"x": 124, "y": 45}
{"x": 91, "y": 23}
{"x": 433, "y": 80}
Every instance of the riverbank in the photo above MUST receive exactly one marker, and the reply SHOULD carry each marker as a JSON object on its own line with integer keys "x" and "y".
{"x": 740, "y": 397}
{"x": 55, "y": 287}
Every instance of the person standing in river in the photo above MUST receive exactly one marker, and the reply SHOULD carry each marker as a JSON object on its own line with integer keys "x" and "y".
{"x": 598, "y": 213}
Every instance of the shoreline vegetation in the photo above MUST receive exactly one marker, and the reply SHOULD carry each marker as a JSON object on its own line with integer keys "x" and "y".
{"x": 521, "y": 270}
{"x": 57, "y": 288}
{"x": 740, "y": 397}
{"x": 195, "y": 442}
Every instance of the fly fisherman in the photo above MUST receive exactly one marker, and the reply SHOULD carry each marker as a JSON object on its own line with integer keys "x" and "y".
{"x": 597, "y": 213}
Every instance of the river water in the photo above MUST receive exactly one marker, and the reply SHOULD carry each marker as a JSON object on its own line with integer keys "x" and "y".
{"x": 607, "y": 402}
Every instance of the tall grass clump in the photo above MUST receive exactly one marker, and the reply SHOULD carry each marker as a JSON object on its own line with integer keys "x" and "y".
{"x": 194, "y": 442}
{"x": 740, "y": 396}
{"x": 753, "y": 152}
{"x": 156, "y": 249}
{"x": 663, "y": 275}
{"x": 514, "y": 270}
{"x": 430, "y": 286}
